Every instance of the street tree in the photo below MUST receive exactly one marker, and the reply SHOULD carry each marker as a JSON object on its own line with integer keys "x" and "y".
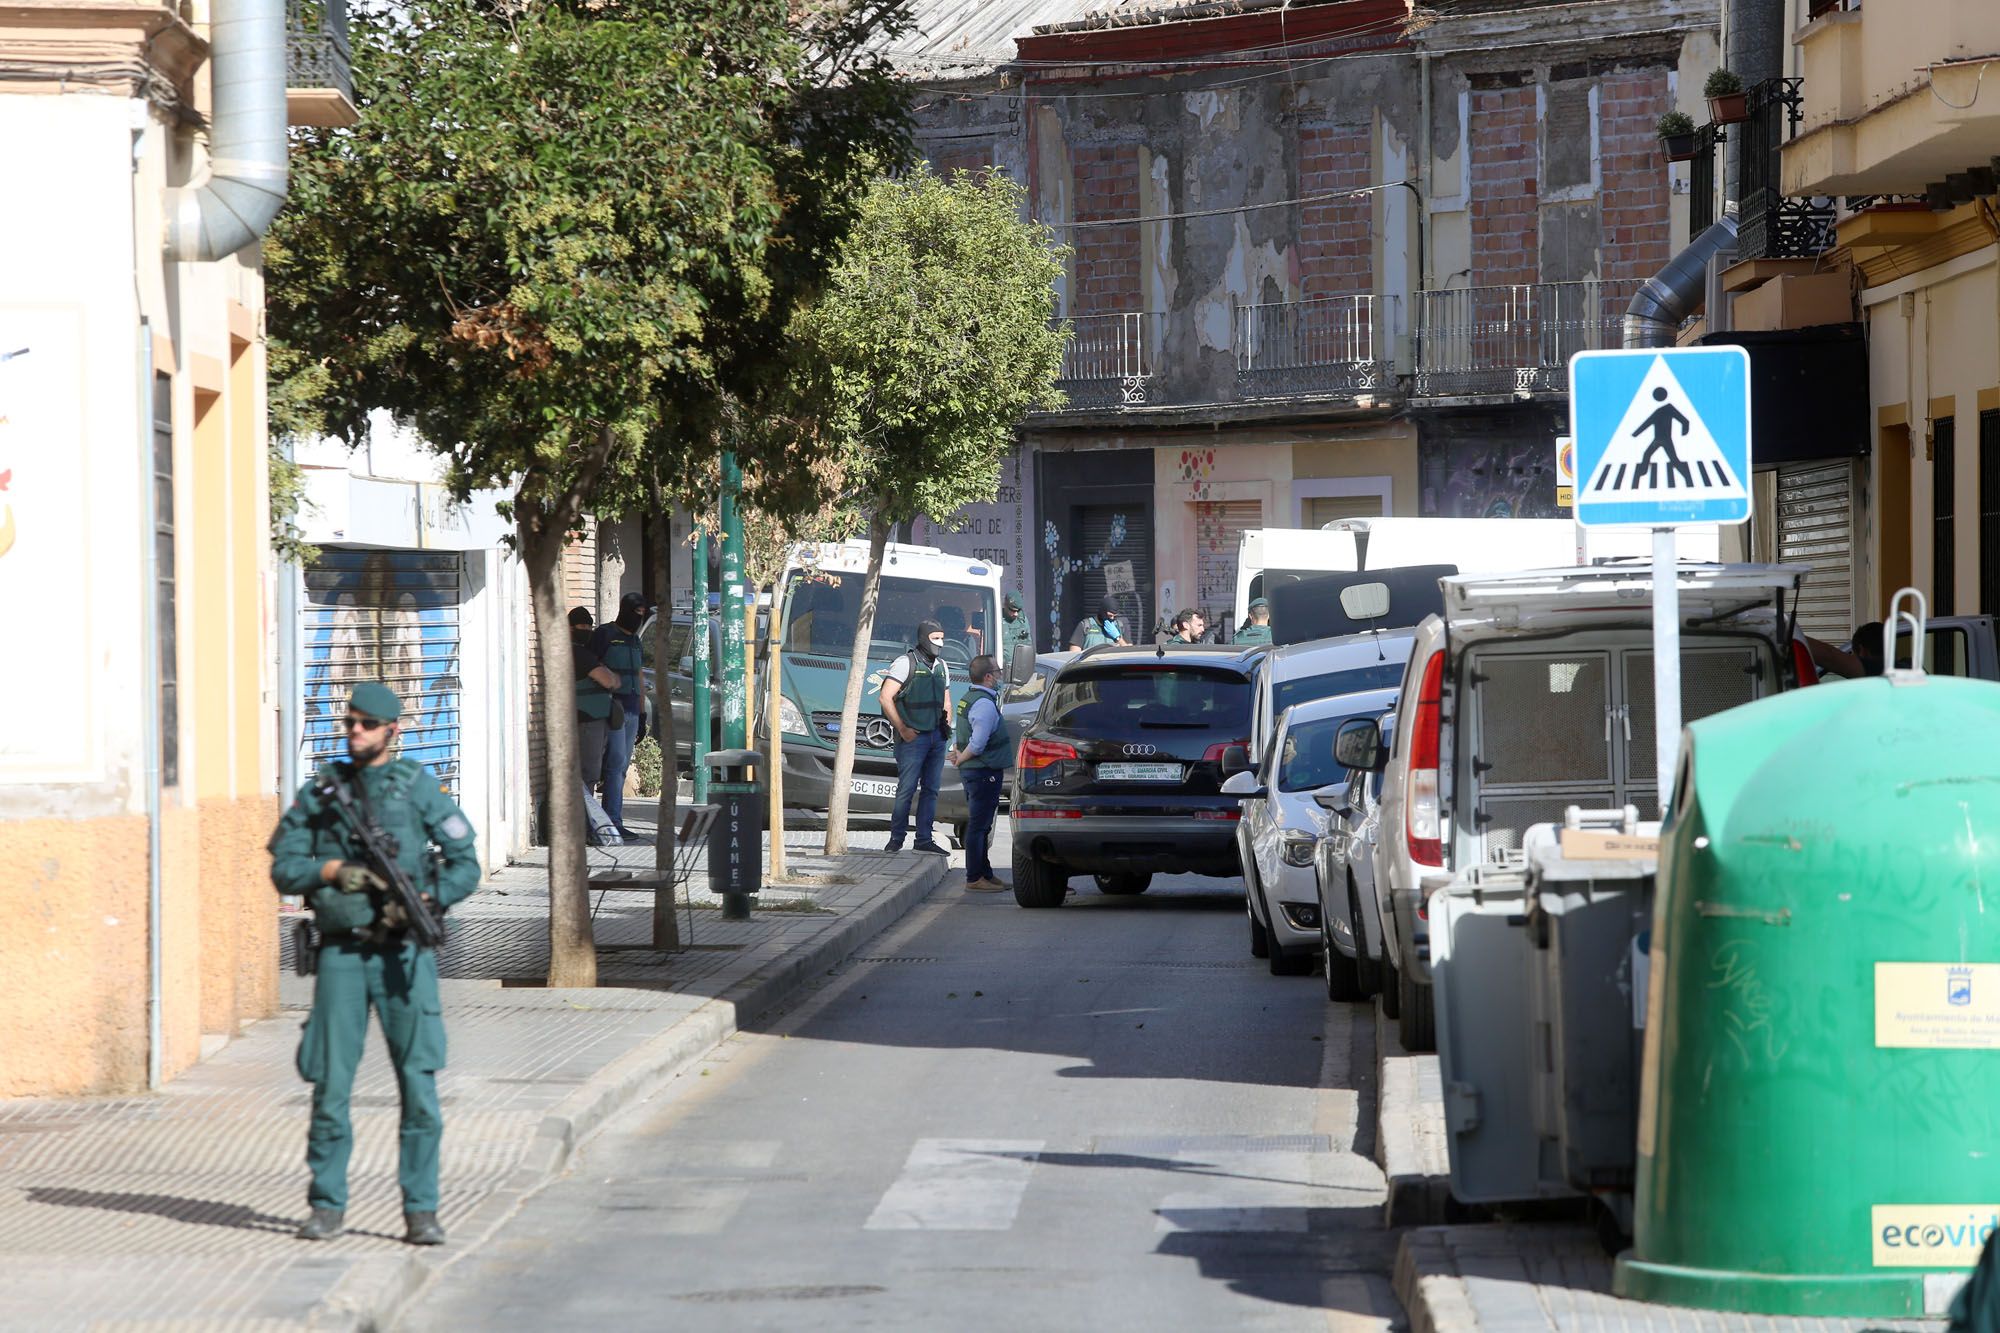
{"x": 560, "y": 237}
{"x": 930, "y": 343}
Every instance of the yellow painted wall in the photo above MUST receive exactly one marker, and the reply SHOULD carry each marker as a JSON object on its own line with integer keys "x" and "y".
{"x": 1393, "y": 456}
{"x": 247, "y": 622}
{"x": 72, "y": 956}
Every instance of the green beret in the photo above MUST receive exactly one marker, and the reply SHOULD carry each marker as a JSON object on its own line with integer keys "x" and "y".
{"x": 1256, "y": 602}
{"x": 374, "y": 699}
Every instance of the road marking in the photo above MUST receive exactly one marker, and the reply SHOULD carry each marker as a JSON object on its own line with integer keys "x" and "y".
{"x": 958, "y": 1185}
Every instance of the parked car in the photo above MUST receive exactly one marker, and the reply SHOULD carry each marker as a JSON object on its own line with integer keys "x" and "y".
{"x": 1344, "y": 878}
{"x": 1323, "y": 668}
{"x": 1020, "y": 700}
{"x": 1534, "y": 692}
{"x": 1119, "y": 775}
{"x": 1282, "y": 822}
{"x": 680, "y": 680}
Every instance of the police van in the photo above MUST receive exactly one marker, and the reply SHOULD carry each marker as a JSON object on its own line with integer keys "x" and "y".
{"x": 821, "y": 602}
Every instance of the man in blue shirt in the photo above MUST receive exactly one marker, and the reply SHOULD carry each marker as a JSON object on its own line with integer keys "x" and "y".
{"x": 982, "y": 754}
{"x": 617, "y": 646}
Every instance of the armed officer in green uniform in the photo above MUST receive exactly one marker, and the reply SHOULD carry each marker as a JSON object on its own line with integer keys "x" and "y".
{"x": 365, "y": 961}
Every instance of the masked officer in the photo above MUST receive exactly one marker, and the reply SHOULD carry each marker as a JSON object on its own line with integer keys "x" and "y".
{"x": 1257, "y": 629}
{"x": 1014, "y": 628}
{"x": 364, "y": 963}
{"x": 916, "y": 698}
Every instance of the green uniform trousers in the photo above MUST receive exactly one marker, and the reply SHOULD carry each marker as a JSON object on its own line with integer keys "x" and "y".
{"x": 400, "y": 984}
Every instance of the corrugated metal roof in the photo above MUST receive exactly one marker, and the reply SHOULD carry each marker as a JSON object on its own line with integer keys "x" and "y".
{"x": 965, "y": 38}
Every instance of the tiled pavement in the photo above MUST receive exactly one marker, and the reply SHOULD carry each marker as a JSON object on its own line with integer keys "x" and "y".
{"x": 176, "y": 1210}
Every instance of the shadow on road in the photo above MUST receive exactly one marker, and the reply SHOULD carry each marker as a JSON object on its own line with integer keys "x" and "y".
{"x": 1285, "y": 1255}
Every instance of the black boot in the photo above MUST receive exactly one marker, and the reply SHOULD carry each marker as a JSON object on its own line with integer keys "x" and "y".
{"x": 324, "y": 1224}
{"x": 422, "y": 1229}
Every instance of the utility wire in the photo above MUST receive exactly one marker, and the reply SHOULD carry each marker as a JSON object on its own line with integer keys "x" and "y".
{"x": 1235, "y": 208}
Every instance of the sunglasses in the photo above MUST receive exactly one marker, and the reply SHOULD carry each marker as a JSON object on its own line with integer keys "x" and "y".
{"x": 365, "y": 723}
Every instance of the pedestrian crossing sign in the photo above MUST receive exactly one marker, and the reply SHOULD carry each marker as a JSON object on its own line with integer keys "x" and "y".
{"x": 1662, "y": 436}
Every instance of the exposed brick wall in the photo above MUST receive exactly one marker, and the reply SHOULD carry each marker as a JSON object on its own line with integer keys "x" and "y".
{"x": 1335, "y": 248}
{"x": 1503, "y": 199}
{"x": 945, "y": 161}
{"x": 1106, "y": 185}
{"x": 1635, "y": 197}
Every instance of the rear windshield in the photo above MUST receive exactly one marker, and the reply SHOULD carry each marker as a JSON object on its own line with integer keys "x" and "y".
{"x": 1123, "y": 701}
{"x": 1303, "y": 689}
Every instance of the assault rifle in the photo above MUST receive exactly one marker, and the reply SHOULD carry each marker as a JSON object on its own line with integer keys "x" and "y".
{"x": 378, "y": 852}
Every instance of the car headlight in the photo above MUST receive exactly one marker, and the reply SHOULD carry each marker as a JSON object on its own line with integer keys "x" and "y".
{"x": 1298, "y": 849}
{"x": 790, "y": 720}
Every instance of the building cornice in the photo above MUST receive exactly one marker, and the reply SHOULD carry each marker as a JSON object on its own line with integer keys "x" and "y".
{"x": 1437, "y": 32}
{"x": 131, "y": 49}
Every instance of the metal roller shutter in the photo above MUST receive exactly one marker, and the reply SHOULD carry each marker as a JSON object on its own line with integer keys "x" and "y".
{"x": 1816, "y": 528}
{"x": 391, "y": 616}
{"x": 1109, "y": 535}
{"x": 1219, "y": 526}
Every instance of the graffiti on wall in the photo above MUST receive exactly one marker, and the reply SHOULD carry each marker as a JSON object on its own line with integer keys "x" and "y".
{"x": 999, "y": 531}
{"x": 1061, "y": 566}
{"x": 1489, "y": 478}
{"x": 1197, "y": 471}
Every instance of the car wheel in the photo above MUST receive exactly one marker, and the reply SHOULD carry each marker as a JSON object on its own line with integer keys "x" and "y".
{"x": 1391, "y": 991}
{"x": 1123, "y": 884}
{"x": 1286, "y": 963}
{"x": 1367, "y": 971}
{"x": 1036, "y": 882}
{"x": 1416, "y": 1015}
{"x": 1341, "y": 983}
{"x": 1260, "y": 939}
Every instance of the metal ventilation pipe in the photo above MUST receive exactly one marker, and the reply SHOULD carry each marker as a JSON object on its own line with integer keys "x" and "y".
{"x": 244, "y": 187}
{"x": 1677, "y": 290}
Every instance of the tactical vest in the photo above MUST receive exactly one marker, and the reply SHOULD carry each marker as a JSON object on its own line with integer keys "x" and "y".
{"x": 998, "y": 751}
{"x": 924, "y": 696}
{"x": 593, "y": 701}
{"x": 1249, "y": 633}
{"x": 1093, "y": 632}
{"x": 390, "y": 799}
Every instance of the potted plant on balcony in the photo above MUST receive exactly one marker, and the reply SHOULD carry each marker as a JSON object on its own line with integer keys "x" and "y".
{"x": 1727, "y": 102}
{"x": 1676, "y": 130}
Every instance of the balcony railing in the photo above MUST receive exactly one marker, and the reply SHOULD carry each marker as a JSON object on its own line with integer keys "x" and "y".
{"x": 1773, "y": 225}
{"x": 1111, "y": 360}
{"x": 1479, "y": 341}
{"x": 1701, "y": 179}
{"x": 319, "y": 65}
{"x": 1323, "y": 344}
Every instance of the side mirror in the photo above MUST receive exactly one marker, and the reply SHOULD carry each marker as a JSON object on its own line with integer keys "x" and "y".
{"x": 1235, "y": 759}
{"x": 1242, "y": 784}
{"x": 1358, "y": 745}
{"x": 1022, "y": 664}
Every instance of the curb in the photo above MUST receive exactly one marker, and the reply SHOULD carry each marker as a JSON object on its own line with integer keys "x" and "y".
{"x": 1429, "y": 1286}
{"x": 1419, "y": 1190}
{"x": 369, "y": 1298}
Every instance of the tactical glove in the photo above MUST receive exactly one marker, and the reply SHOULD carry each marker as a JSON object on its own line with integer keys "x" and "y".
{"x": 353, "y": 877}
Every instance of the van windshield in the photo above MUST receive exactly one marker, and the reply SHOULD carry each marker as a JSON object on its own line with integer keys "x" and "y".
{"x": 824, "y": 606}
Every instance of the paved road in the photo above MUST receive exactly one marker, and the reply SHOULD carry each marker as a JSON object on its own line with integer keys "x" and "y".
{"x": 1100, "y": 1117}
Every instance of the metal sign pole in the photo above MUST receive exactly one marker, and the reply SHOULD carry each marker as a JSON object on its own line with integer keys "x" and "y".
{"x": 1666, "y": 661}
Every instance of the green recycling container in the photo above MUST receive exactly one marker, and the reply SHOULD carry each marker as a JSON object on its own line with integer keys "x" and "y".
{"x": 1819, "y": 1116}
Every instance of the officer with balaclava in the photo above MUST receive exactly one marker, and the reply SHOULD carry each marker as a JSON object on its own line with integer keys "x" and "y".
{"x": 916, "y": 698}
{"x": 1101, "y": 628}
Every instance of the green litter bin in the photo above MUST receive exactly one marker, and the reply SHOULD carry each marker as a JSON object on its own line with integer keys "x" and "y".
{"x": 1819, "y": 1117}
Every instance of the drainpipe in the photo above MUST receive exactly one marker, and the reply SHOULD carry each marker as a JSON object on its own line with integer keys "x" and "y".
{"x": 149, "y": 709}
{"x": 233, "y": 203}
{"x": 1676, "y": 291}
{"x": 288, "y": 673}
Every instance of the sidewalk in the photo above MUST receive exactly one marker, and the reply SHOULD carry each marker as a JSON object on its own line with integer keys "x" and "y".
{"x": 176, "y": 1210}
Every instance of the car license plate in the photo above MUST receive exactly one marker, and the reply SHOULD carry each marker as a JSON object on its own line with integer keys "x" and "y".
{"x": 1138, "y": 772}
{"x": 871, "y": 787}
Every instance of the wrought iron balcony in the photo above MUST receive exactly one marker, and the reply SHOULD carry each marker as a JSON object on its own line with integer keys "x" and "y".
{"x": 1515, "y": 340}
{"x": 1322, "y": 344}
{"x": 1111, "y": 360}
{"x": 1771, "y": 225}
{"x": 319, "y": 65}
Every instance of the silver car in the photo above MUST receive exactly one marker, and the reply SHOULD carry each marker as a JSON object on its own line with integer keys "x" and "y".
{"x": 1344, "y": 868}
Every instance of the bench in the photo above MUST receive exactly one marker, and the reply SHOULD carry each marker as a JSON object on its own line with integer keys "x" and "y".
{"x": 690, "y": 853}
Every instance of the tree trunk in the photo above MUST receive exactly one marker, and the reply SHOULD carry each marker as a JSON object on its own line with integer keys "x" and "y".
{"x": 857, "y": 677}
{"x": 572, "y": 951}
{"x": 660, "y": 530}
{"x": 774, "y": 767}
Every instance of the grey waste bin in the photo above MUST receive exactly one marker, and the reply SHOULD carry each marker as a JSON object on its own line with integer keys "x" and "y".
{"x": 1538, "y": 1037}
{"x": 1588, "y": 924}
{"x": 736, "y": 840}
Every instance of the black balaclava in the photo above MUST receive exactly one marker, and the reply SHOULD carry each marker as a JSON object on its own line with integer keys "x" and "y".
{"x": 924, "y": 631}
{"x": 631, "y": 612}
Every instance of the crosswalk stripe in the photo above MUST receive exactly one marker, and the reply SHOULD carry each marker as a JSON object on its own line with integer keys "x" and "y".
{"x": 958, "y": 1185}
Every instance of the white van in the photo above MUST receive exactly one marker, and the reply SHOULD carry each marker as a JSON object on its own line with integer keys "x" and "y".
{"x": 1533, "y": 692}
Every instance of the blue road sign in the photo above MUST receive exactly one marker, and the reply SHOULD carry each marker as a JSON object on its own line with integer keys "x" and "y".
{"x": 1662, "y": 436}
